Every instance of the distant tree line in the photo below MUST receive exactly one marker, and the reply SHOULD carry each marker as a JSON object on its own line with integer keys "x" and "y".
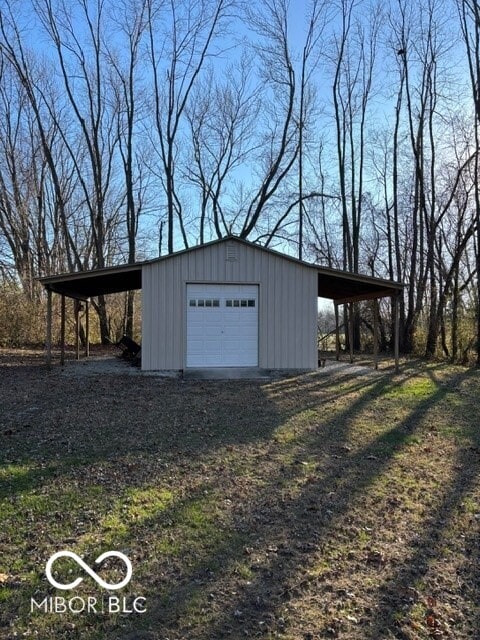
{"x": 345, "y": 132}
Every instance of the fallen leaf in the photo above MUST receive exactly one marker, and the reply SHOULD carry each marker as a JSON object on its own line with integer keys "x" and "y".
{"x": 431, "y": 621}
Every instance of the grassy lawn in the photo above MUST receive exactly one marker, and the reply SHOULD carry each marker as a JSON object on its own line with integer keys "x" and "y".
{"x": 338, "y": 504}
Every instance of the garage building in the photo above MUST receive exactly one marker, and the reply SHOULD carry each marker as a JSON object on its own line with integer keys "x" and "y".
{"x": 226, "y": 304}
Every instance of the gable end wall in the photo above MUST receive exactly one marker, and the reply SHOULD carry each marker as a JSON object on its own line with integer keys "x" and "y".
{"x": 287, "y": 305}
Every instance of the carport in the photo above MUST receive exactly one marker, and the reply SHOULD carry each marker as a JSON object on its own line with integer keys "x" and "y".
{"x": 81, "y": 287}
{"x": 345, "y": 288}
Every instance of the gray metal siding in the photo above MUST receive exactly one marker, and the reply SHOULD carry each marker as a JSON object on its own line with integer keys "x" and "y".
{"x": 287, "y": 305}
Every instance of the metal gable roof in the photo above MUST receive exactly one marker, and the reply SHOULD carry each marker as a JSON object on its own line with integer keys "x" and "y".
{"x": 335, "y": 284}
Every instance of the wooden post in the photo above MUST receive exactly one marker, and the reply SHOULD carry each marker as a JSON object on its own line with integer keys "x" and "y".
{"x": 77, "y": 329}
{"x": 87, "y": 329}
{"x": 62, "y": 333}
{"x": 350, "y": 330}
{"x": 375, "y": 333}
{"x": 337, "y": 333}
{"x": 397, "y": 331}
{"x": 49, "y": 328}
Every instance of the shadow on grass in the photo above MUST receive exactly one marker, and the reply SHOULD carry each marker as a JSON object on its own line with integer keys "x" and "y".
{"x": 53, "y": 425}
{"x": 266, "y": 592}
{"x": 288, "y": 519}
{"x": 278, "y": 578}
{"x": 83, "y": 422}
{"x": 433, "y": 539}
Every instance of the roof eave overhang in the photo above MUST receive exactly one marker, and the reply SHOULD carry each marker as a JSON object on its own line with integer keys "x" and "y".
{"x": 343, "y": 287}
{"x": 67, "y": 292}
{"x": 83, "y": 285}
{"x": 373, "y": 295}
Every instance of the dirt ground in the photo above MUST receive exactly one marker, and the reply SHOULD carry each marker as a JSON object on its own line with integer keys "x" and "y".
{"x": 342, "y": 503}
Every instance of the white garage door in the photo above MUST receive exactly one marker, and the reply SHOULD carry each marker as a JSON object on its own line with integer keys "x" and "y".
{"x": 222, "y": 325}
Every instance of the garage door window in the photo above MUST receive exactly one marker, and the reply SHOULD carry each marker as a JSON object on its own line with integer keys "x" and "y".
{"x": 204, "y": 303}
{"x": 240, "y": 302}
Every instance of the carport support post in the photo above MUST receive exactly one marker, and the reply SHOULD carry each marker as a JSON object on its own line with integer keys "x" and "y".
{"x": 350, "y": 330}
{"x": 397, "y": 331}
{"x": 375, "y": 333}
{"x": 49, "y": 328}
{"x": 77, "y": 329}
{"x": 87, "y": 329}
{"x": 62, "y": 333}
{"x": 337, "y": 333}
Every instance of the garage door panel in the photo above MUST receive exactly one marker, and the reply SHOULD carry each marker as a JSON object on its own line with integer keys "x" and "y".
{"x": 243, "y": 334}
{"x": 245, "y": 345}
{"x": 212, "y": 332}
{"x": 211, "y": 345}
{"x": 224, "y": 335}
{"x": 197, "y": 331}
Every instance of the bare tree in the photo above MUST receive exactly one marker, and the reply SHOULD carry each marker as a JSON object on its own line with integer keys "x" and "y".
{"x": 421, "y": 43}
{"x": 280, "y": 135}
{"x": 130, "y": 16}
{"x": 469, "y": 12}
{"x": 42, "y": 100}
{"x": 178, "y": 52}
{"x": 77, "y": 39}
{"x": 317, "y": 20}
{"x": 355, "y": 50}
{"x": 221, "y": 117}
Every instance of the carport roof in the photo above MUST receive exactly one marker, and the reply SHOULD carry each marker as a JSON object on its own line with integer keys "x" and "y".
{"x": 88, "y": 284}
{"x": 340, "y": 286}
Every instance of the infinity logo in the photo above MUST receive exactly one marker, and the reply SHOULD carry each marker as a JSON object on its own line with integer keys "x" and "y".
{"x": 87, "y": 569}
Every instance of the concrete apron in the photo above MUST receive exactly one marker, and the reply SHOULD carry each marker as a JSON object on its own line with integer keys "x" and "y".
{"x": 227, "y": 373}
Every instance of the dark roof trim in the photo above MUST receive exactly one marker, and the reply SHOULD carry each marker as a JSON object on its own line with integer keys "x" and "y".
{"x": 93, "y": 273}
{"x": 373, "y": 295}
{"x": 333, "y": 283}
{"x": 83, "y": 285}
